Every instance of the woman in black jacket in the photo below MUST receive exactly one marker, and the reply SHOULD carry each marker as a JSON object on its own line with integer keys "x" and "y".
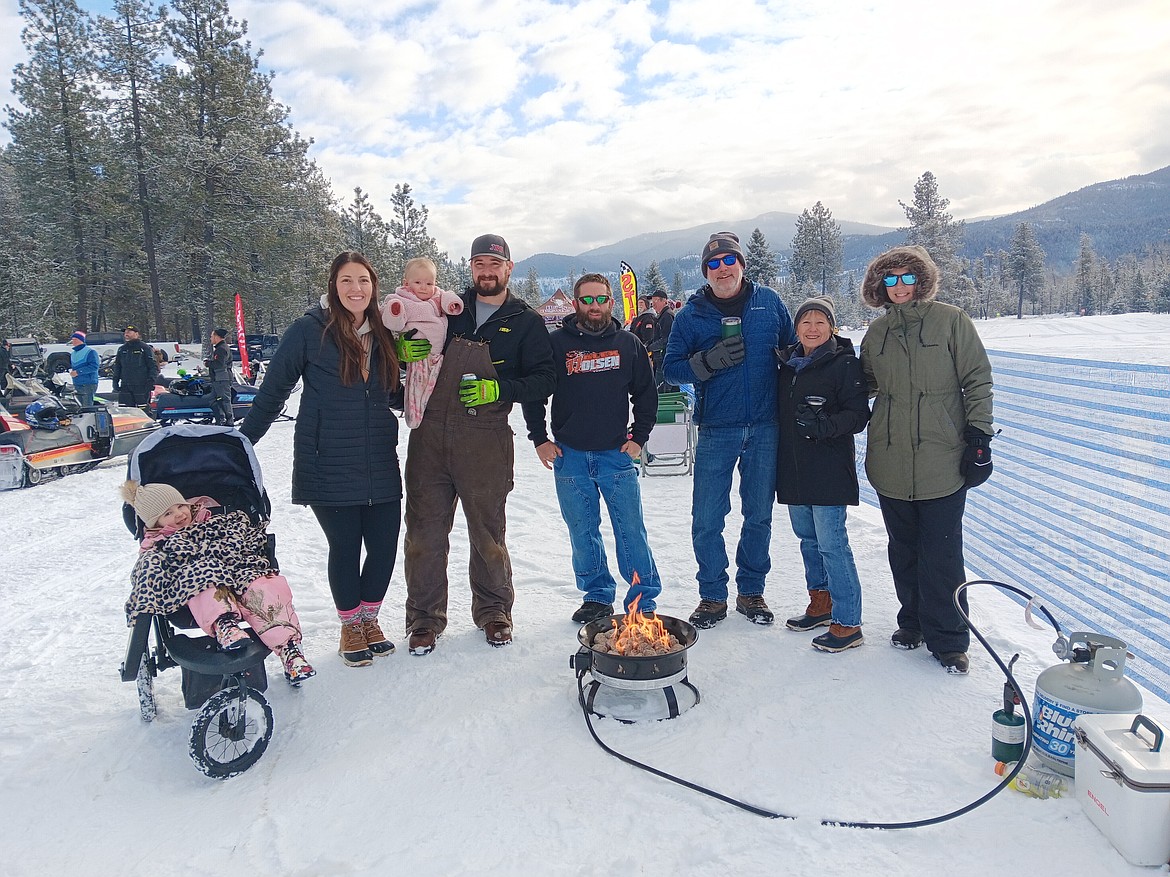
{"x": 345, "y": 446}
{"x": 822, "y": 404}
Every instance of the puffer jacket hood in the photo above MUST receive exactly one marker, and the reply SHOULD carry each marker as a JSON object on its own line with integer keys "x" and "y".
{"x": 914, "y": 259}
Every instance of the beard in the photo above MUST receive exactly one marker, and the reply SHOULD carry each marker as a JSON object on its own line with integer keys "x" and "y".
{"x": 594, "y": 325}
{"x": 490, "y": 285}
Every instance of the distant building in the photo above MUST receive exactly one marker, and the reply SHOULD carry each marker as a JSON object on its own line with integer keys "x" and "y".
{"x": 555, "y": 308}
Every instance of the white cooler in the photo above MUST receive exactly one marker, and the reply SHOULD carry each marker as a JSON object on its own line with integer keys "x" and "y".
{"x": 1123, "y": 782}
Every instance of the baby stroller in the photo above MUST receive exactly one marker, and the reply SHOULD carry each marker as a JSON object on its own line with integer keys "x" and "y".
{"x": 234, "y": 723}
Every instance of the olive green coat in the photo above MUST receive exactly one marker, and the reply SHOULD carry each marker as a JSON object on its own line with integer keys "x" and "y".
{"x": 929, "y": 372}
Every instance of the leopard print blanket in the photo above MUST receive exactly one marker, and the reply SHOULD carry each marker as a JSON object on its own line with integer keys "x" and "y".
{"x": 225, "y": 551}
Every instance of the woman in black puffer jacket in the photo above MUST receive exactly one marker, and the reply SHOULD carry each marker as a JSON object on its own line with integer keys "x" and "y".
{"x": 345, "y": 446}
{"x": 822, "y": 402}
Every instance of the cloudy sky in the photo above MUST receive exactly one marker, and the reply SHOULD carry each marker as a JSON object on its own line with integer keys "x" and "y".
{"x": 569, "y": 125}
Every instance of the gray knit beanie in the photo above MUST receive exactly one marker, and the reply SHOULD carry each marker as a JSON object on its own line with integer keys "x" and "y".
{"x": 822, "y": 303}
{"x": 151, "y": 501}
{"x": 721, "y": 242}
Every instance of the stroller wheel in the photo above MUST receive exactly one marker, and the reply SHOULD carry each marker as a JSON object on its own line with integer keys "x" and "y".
{"x": 231, "y": 732}
{"x": 145, "y": 680}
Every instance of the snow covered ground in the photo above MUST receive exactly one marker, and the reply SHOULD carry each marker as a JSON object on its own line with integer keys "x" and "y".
{"x": 474, "y": 760}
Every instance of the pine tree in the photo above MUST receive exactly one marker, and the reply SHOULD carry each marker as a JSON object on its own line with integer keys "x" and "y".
{"x": 760, "y": 262}
{"x": 676, "y": 288}
{"x": 408, "y": 230}
{"x": 652, "y": 280}
{"x": 530, "y": 289}
{"x": 817, "y": 252}
{"x": 934, "y": 229}
{"x": 53, "y": 139}
{"x": 1162, "y": 296}
{"x": 1027, "y": 266}
{"x": 1085, "y": 271}
{"x": 366, "y": 231}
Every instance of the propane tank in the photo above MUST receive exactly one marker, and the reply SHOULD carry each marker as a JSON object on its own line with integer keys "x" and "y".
{"x": 1092, "y": 681}
{"x": 1007, "y": 728}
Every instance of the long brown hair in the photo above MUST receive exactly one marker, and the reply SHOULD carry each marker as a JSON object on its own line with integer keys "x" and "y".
{"x": 341, "y": 328}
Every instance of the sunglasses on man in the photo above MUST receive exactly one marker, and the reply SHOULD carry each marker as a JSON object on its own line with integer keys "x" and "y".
{"x": 891, "y": 280}
{"x": 712, "y": 264}
{"x": 590, "y": 299}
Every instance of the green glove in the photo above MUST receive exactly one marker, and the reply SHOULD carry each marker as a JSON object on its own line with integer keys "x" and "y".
{"x": 472, "y": 393}
{"x": 411, "y": 349}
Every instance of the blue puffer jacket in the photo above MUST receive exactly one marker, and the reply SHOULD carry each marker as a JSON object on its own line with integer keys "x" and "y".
{"x": 345, "y": 444}
{"x": 84, "y": 360}
{"x": 744, "y": 394}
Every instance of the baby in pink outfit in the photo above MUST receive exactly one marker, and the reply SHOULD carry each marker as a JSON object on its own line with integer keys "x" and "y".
{"x": 420, "y": 304}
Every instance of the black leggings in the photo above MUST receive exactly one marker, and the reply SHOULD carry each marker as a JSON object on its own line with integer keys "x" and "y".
{"x": 346, "y": 528}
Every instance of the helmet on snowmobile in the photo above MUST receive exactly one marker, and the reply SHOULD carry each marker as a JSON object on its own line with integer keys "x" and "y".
{"x": 45, "y": 413}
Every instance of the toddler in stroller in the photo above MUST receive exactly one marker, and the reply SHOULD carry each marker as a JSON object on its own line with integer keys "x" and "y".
{"x": 216, "y": 566}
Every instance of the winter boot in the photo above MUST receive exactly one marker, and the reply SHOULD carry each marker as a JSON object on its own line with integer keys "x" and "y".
{"x": 708, "y": 613}
{"x": 228, "y": 633}
{"x": 954, "y": 662}
{"x": 592, "y": 611}
{"x": 754, "y": 608}
{"x": 818, "y": 614}
{"x": 905, "y": 638}
{"x": 354, "y": 650}
{"x": 296, "y": 668}
{"x": 422, "y": 641}
{"x": 498, "y": 633}
{"x": 376, "y": 641}
{"x": 838, "y": 639}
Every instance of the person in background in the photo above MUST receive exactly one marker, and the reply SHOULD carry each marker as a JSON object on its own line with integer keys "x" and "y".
{"x": 735, "y": 376}
{"x": 219, "y": 370}
{"x": 345, "y": 444}
{"x": 642, "y": 326}
{"x": 497, "y": 353}
{"x": 822, "y": 403}
{"x": 928, "y": 443}
{"x": 83, "y": 368}
{"x": 601, "y": 370}
{"x": 663, "y": 323}
{"x": 5, "y": 367}
{"x": 134, "y": 370}
{"x": 217, "y": 566}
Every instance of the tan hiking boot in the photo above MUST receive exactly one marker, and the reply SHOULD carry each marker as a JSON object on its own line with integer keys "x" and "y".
{"x": 838, "y": 639}
{"x": 354, "y": 650}
{"x": 376, "y": 641}
{"x": 818, "y": 614}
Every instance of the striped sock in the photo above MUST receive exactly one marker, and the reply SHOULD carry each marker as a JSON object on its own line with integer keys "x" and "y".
{"x": 349, "y": 616}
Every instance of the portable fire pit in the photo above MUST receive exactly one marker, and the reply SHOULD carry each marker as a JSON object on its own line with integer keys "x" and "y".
{"x": 633, "y": 688}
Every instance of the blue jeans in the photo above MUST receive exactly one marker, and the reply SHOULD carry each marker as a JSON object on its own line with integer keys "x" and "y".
{"x": 717, "y": 452}
{"x": 84, "y": 393}
{"x": 828, "y": 559}
{"x": 582, "y": 476}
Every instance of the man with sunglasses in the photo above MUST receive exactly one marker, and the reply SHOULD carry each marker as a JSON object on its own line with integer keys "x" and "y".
{"x": 733, "y": 368}
{"x": 929, "y": 442}
{"x": 601, "y": 369}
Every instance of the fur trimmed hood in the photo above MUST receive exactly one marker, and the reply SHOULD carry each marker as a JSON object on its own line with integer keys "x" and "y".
{"x": 911, "y": 257}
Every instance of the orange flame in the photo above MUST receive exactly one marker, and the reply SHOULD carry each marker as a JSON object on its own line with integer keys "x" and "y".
{"x": 637, "y": 629}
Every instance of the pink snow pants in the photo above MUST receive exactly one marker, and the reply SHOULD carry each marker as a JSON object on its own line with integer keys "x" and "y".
{"x": 266, "y": 606}
{"x": 420, "y": 383}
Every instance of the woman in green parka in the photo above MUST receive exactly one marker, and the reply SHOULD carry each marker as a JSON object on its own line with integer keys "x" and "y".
{"x": 927, "y": 442}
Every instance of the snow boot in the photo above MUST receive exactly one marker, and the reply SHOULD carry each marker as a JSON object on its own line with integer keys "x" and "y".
{"x": 818, "y": 614}
{"x": 592, "y": 611}
{"x": 838, "y": 639}
{"x": 754, "y": 607}
{"x": 228, "y": 632}
{"x": 422, "y": 641}
{"x": 954, "y": 662}
{"x": 296, "y": 668}
{"x": 905, "y": 638}
{"x": 708, "y": 613}
{"x": 498, "y": 633}
{"x": 376, "y": 641}
{"x": 353, "y": 649}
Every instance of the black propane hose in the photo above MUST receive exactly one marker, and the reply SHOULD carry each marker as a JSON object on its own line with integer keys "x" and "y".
{"x": 845, "y": 823}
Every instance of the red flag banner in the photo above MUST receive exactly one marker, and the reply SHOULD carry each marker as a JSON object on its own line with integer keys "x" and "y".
{"x": 629, "y": 283}
{"x": 242, "y": 339}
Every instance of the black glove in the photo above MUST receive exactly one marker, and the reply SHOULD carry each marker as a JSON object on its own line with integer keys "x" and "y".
{"x": 976, "y": 464}
{"x": 812, "y": 423}
{"x": 725, "y": 354}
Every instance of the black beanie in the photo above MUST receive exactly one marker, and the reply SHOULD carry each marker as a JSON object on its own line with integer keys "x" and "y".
{"x": 721, "y": 242}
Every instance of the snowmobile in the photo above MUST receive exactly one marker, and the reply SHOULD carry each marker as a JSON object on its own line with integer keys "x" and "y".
{"x": 59, "y": 437}
{"x": 190, "y": 398}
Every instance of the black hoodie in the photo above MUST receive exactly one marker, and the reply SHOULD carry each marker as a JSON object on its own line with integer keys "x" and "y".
{"x": 597, "y": 376}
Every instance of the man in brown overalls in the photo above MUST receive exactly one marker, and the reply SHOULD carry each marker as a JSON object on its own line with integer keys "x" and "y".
{"x": 463, "y": 450}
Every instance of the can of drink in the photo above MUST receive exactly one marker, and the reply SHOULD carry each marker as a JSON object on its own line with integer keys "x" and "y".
{"x": 730, "y": 326}
{"x": 470, "y": 376}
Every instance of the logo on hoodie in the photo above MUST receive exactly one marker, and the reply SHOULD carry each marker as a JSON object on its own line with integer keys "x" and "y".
{"x": 582, "y": 361}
